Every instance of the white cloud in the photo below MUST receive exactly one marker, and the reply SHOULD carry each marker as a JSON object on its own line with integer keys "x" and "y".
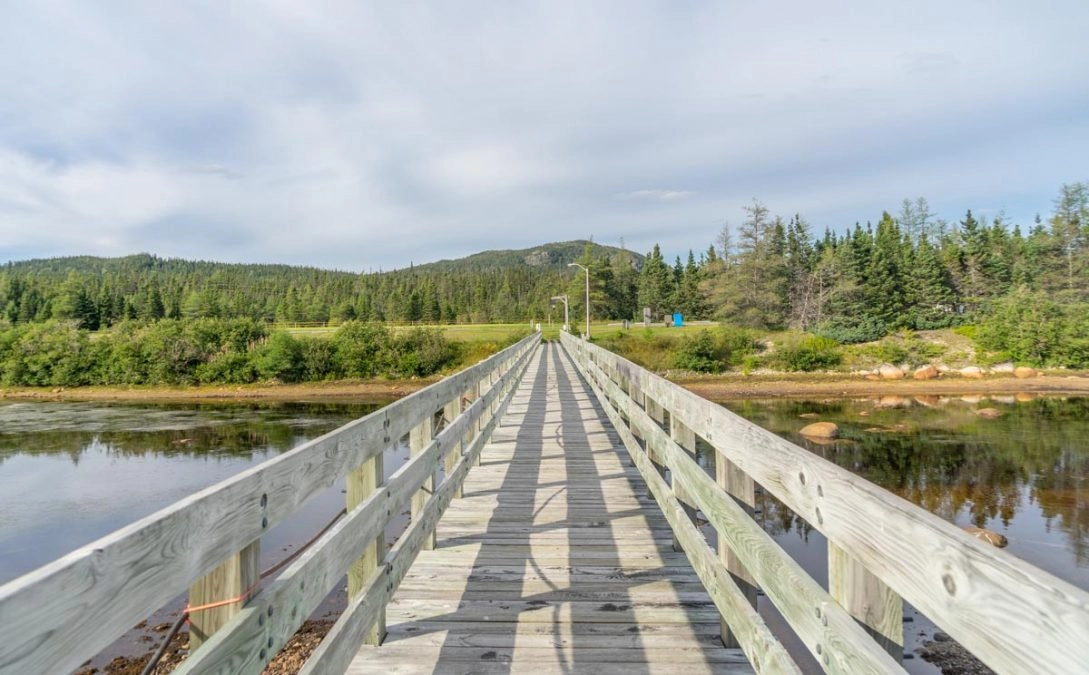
{"x": 656, "y": 195}
{"x": 370, "y": 135}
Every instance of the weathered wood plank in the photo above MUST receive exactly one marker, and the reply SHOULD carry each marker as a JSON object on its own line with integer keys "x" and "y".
{"x": 54, "y": 618}
{"x": 825, "y": 628}
{"x": 965, "y": 586}
{"x": 341, "y": 643}
{"x": 547, "y": 545}
{"x": 236, "y": 577}
{"x": 251, "y": 639}
{"x": 741, "y": 487}
{"x": 876, "y": 606}
{"x": 418, "y": 439}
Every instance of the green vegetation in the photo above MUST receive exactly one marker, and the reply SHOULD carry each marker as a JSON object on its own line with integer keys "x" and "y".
{"x": 1026, "y": 290}
{"x": 221, "y": 351}
{"x": 811, "y": 352}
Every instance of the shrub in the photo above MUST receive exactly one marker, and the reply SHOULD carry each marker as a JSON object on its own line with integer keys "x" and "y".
{"x": 812, "y": 352}
{"x": 280, "y": 358}
{"x": 420, "y": 352}
{"x": 852, "y": 331}
{"x": 699, "y": 353}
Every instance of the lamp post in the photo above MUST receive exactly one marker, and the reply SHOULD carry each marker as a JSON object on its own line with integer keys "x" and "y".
{"x": 587, "y": 270}
{"x": 566, "y": 320}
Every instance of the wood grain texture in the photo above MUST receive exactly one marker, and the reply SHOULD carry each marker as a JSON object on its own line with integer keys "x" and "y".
{"x": 54, "y": 618}
{"x": 968, "y": 588}
{"x": 338, "y": 647}
{"x": 233, "y": 578}
{"x": 551, "y": 561}
{"x": 264, "y": 626}
{"x": 873, "y": 604}
{"x": 741, "y": 487}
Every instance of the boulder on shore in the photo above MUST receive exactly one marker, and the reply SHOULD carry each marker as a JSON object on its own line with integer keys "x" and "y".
{"x": 890, "y": 372}
{"x": 1006, "y": 367}
{"x": 926, "y": 373}
{"x": 820, "y": 430}
{"x": 973, "y": 372}
{"x": 991, "y": 537}
{"x": 1024, "y": 372}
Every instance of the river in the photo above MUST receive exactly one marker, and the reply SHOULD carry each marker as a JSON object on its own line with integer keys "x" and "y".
{"x": 73, "y": 472}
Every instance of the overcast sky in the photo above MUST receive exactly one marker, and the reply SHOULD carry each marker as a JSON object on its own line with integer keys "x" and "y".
{"x": 368, "y": 135}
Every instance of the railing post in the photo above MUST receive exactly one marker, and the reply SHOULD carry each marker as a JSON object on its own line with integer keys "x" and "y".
{"x": 741, "y": 487}
{"x": 234, "y": 578}
{"x": 450, "y": 412}
{"x": 868, "y": 599}
{"x": 685, "y": 438}
{"x": 418, "y": 439}
{"x": 361, "y": 483}
{"x": 638, "y": 401}
{"x": 656, "y": 413}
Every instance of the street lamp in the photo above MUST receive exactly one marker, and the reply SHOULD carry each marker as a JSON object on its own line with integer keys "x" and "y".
{"x": 566, "y": 320}
{"x": 587, "y": 270}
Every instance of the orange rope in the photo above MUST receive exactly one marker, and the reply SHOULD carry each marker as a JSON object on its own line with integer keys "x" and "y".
{"x": 230, "y": 601}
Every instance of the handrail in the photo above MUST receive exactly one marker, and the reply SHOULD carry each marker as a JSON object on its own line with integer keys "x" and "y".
{"x": 1011, "y": 615}
{"x": 54, "y": 618}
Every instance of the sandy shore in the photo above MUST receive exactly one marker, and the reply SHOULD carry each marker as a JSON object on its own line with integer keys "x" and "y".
{"x": 719, "y": 387}
{"x": 374, "y": 390}
{"x": 795, "y": 385}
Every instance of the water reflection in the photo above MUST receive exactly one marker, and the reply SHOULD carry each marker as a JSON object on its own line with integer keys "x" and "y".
{"x": 73, "y": 472}
{"x": 1017, "y": 465}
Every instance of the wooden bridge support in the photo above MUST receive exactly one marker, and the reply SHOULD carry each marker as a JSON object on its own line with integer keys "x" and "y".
{"x": 418, "y": 440}
{"x": 868, "y": 599}
{"x": 361, "y": 483}
{"x": 741, "y": 487}
{"x": 236, "y": 577}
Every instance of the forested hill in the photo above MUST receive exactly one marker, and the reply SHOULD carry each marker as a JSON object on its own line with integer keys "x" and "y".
{"x": 555, "y": 256}
{"x": 487, "y": 286}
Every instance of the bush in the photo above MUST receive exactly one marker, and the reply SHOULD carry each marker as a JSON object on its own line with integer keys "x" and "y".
{"x": 51, "y": 354}
{"x": 812, "y": 352}
{"x": 419, "y": 353}
{"x": 280, "y": 358}
{"x": 852, "y": 331}
{"x": 362, "y": 349}
{"x": 699, "y": 353}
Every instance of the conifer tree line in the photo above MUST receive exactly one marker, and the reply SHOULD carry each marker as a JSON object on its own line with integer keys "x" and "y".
{"x": 909, "y": 270}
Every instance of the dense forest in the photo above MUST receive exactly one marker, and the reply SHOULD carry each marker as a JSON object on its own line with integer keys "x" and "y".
{"x": 495, "y": 286}
{"x": 1020, "y": 290}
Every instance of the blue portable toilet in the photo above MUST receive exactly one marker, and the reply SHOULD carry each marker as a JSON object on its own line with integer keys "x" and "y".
{"x": 678, "y": 320}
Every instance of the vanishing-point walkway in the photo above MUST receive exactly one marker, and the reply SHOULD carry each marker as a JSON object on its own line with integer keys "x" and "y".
{"x": 555, "y": 560}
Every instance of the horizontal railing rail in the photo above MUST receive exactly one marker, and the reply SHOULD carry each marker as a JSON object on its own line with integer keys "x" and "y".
{"x": 55, "y": 618}
{"x": 1011, "y": 615}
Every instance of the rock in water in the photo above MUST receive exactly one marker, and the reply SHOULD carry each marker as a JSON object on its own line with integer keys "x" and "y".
{"x": 820, "y": 430}
{"x": 991, "y": 537}
{"x": 989, "y": 413}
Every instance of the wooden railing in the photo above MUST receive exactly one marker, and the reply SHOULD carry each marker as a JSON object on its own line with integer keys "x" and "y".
{"x": 55, "y": 618}
{"x": 1011, "y": 615}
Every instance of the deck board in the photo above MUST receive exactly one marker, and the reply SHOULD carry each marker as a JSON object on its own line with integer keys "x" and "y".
{"x": 555, "y": 559}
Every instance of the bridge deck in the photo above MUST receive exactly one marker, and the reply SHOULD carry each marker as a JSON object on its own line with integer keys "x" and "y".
{"x": 555, "y": 560}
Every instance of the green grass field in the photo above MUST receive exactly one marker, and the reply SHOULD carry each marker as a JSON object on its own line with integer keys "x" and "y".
{"x": 500, "y": 332}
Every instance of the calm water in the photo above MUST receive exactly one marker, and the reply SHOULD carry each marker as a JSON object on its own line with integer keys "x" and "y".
{"x": 73, "y": 472}
{"x": 1024, "y": 474}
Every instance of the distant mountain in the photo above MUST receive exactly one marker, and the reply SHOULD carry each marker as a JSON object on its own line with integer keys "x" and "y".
{"x": 483, "y": 287}
{"x": 556, "y": 255}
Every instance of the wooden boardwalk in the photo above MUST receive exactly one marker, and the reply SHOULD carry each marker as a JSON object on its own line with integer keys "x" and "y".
{"x": 555, "y": 559}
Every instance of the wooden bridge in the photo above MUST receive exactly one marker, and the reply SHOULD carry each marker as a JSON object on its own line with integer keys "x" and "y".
{"x": 554, "y": 492}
